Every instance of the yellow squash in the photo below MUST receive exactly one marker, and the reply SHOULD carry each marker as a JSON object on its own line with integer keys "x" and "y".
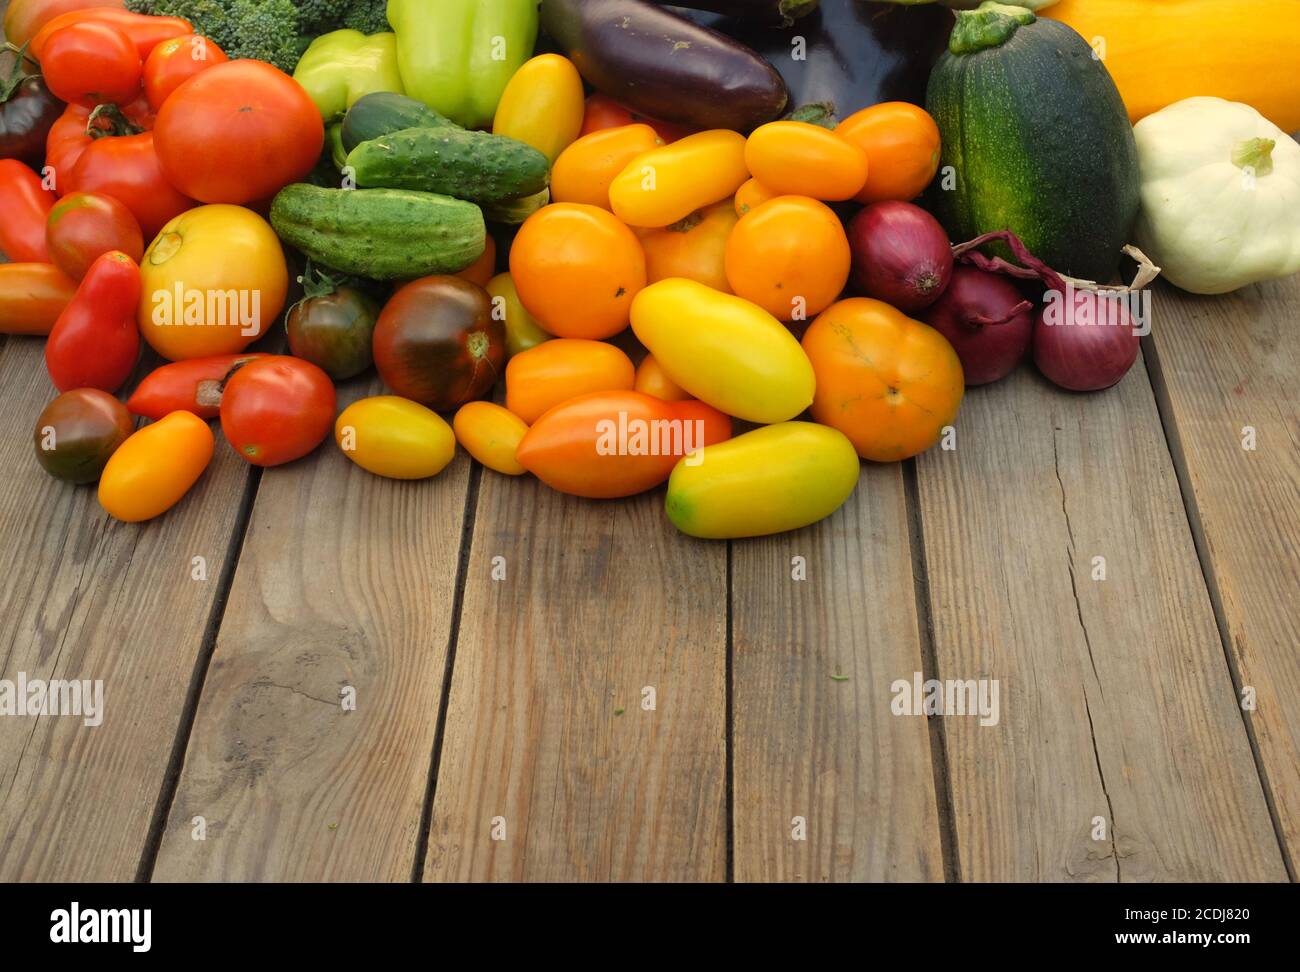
{"x": 1162, "y": 51}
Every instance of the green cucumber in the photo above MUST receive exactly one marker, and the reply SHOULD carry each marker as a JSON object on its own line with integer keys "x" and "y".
{"x": 384, "y": 112}
{"x": 515, "y": 211}
{"x": 1036, "y": 140}
{"x": 384, "y": 234}
{"x": 477, "y": 166}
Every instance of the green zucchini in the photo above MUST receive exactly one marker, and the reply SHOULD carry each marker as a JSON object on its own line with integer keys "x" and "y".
{"x": 1037, "y": 138}
{"x": 384, "y": 234}
{"x": 384, "y": 112}
{"x": 477, "y": 166}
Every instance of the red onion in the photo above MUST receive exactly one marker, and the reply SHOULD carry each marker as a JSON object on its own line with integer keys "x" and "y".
{"x": 1084, "y": 341}
{"x": 987, "y": 321}
{"x": 901, "y": 255}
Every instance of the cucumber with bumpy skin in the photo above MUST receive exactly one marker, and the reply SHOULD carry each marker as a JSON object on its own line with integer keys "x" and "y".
{"x": 384, "y": 234}
{"x": 384, "y": 112}
{"x": 476, "y": 166}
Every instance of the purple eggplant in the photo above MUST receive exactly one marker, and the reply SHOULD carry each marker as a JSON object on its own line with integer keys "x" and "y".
{"x": 665, "y": 66}
{"x": 849, "y": 53}
{"x": 782, "y": 12}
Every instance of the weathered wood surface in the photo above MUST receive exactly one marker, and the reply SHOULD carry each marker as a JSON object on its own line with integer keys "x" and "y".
{"x": 553, "y": 768}
{"x": 829, "y": 784}
{"x": 1226, "y": 371}
{"x": 1116, "y": 701}
{"x": 86, "y": 597}
{"x": 345, "y": 587}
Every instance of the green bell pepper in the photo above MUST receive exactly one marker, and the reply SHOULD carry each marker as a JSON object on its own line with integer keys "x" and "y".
{"x": 342, "y": 66}
{"x": 457, "y": 55}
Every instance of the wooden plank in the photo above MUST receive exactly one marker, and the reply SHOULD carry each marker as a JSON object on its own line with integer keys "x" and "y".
{"x": 90, "y": 598}
{"x": 346, "y": 582}
{"x": 829, "y": 784}
{"x": 1116, "y": 699}
{"x": 1221, "y": 366}
{"x": 546, "y": 734}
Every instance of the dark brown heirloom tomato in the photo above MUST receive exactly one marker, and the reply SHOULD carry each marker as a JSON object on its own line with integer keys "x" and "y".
{"x": 27, "y": 113}
{"x": 77, "y": 433}
{"x": 332, "y": 327}
{"x": 436, "y": 343}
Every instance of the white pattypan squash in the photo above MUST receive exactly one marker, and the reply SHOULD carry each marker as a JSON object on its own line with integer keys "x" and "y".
{"x": 1220, "y": 195}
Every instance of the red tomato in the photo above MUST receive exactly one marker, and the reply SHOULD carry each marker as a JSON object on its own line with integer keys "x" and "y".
{"x": 25, "y": 204}
{"x": 120, "y": 163}
{"x": 145, "y": 31}
{"x": 84, "y": 225}
{"x": 238, "y": 132}
{"x": 96, "y": 342}
{"x": 186, "y": 386}
{"x": 277, "y": 409}
{"x": 91, "y": 63}
{"x": 174, "y": 62}
{"x": 604, "y": 112}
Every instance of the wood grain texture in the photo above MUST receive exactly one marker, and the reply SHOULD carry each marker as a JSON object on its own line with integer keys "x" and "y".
{"x": 545, "y": 725}
{"x": 346, "y": 580}
{"x": 1116, "y": 699}
{"x": 1222, "y": 364}
{"x": 809, "y": 744}
{"x": 87, "y": 597}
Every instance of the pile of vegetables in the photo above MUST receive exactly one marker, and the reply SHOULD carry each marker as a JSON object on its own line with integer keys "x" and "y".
{"x": 646, "y": 255}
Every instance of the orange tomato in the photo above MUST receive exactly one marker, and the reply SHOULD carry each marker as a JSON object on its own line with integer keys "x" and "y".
{"x": 799, "y": 158}
{"x": 576, "y": 269}
{"x": 694, "y": 248}
{"x": 651, "y": 379}
{"x": 902, "y": 146}
{"x": 482, "y": 270}
{"x": 752, "y": 195}
{"x": 585, "y": 169}
{"x": 790, "y": 256}
{"x": 611, "y": 444}
{"x": 491, "y": 434}
{"x": 155, "y": 467}
{"x": 889, "y": 383}
{"x": 555, "y": 371}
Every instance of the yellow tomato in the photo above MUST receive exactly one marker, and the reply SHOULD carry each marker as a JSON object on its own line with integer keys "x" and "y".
{"x": 211, "y": 283}
{"x": 800, "y": 159}
{"x": 669, "y": 183}
{"x": 155, "y": 467}
{"x": 543, "y": 377}
{"x": 651, "y": 379}
{"x": 773, "y": 479}
{"x": 584, "y": 170}
{"x": 723, "y": 350}
{"x": 491, "y": 434}
{"x": 543, "y": 105}
{"x": 395, "y": 437}
{"x": 694, "y": 248}
{"x": 522, "y": 331}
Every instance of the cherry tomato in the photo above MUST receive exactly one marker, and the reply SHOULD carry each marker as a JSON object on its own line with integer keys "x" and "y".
{"x": 238, "y": 132}
{"x": 277, "y": 409}
{"x": 438, "y": 344}
{"x": 174, "y": 62}
{"x": 333, "y": 327}
{"x": 91, "y": 63}
{"x": 553, "y": 372}
{"x": 78, "y": 431}
{"x": 153, "y": 470}
{"x": 82, "y": 226}
{"x": 482, "y": 270}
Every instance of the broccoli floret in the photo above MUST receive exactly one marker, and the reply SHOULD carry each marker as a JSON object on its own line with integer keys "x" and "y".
{"x": 277, "y": 31}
